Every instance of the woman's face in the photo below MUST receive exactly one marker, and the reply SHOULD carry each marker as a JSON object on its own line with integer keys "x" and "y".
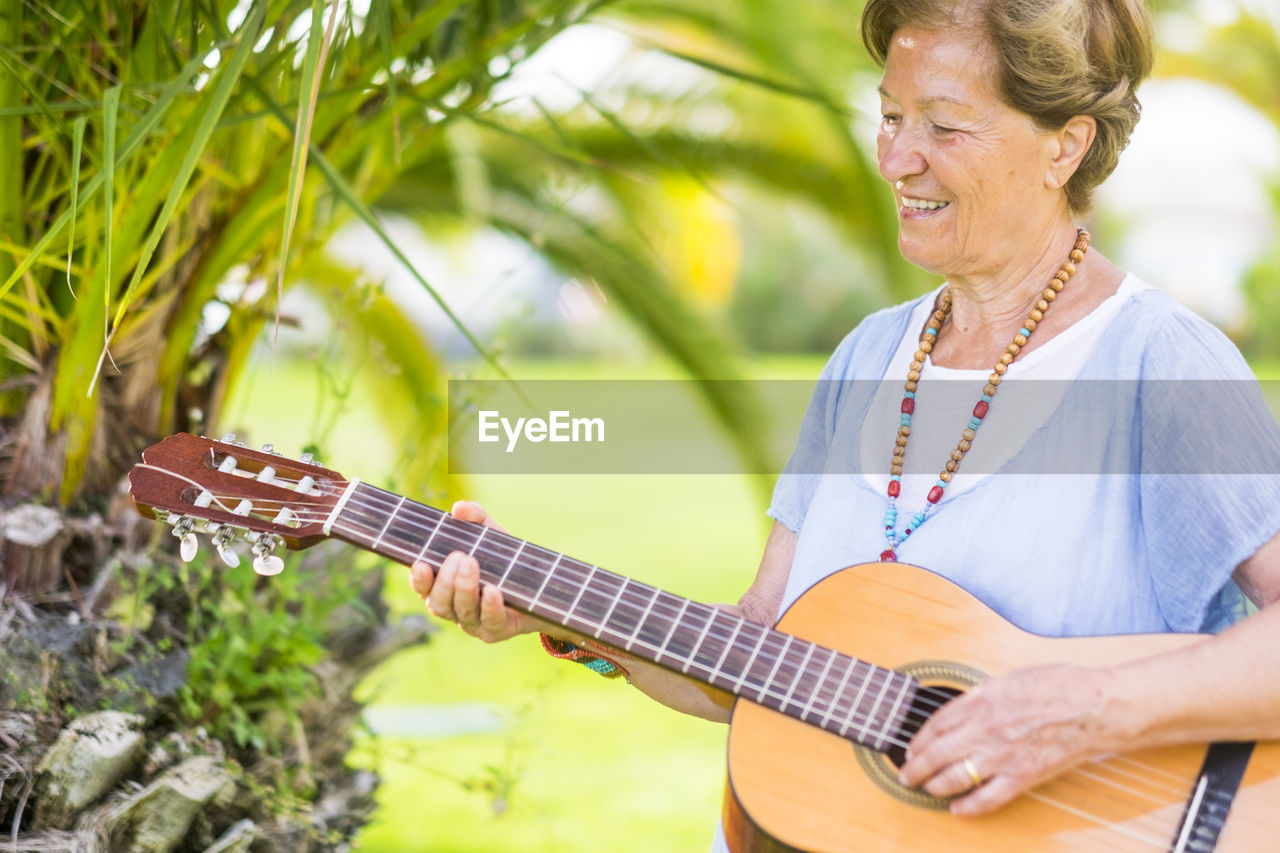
{"x": 971, "y": 175}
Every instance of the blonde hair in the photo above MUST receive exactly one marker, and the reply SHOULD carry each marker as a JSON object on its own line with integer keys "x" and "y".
{"x": 1055, "y": 59}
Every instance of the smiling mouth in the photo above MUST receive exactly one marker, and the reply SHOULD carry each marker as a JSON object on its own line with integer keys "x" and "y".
{"x": 923, "y": 204}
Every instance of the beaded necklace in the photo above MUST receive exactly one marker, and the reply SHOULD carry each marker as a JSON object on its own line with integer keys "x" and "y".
{"x": 908, "y": 407}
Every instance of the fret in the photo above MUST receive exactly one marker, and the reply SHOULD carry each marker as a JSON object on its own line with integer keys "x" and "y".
{"x": 698, "y": 642}
{"x": 750, "y": 662}
{"x": 754, "y": 660}
{"x": 835, "y": 697}
{"x": 427, "y": 544}
{"x": 623, "y": 618}
{"x": 617, "y": 599}
{"x": 871, "y": 715}
{"x": 545, "y": 579}
{"x": 817, "y": 686}
{"x": 728, "y": 646}
{"x": 857, "y": 701}
{"x": 795, "y": 681}
{"x": 893, "y": 712}
{"x": 675, "y": 624}
{"x": 479, "y": 539}
{"x": 598, "y": 599}
{"x": 563, "y": 586}
{"x": 630, "y": 641}
{"x": 656, "y": 626}
{"x": 511, "y": 565}
{"x": 390, "y": 518}
{"x": 455, "y": 535}
{"x": 782, "y": 653}
{"x": 585, "y": 583}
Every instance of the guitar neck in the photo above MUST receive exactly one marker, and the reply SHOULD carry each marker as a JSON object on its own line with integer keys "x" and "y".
{"x": 841, "y": 694}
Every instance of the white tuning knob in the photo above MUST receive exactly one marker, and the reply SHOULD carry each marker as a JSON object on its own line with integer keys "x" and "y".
{"x": 268, "y": 565}
{"x": 187, "y": 547}
{"x": 228, "y": 555}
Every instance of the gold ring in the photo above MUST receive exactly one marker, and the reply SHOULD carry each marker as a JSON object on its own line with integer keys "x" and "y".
{"x": 973, "y": 772}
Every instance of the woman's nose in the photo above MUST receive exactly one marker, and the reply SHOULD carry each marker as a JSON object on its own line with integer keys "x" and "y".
{"x": 899, "y": 153}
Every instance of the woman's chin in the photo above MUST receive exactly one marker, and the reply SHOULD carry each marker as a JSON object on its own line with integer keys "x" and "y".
{"x": 929, "y": 255}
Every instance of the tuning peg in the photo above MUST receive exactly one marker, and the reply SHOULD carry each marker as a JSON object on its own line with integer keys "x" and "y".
{"x": 222, "y": 544}
{"x": 188, "y": 544}
{"x": 268, "y": 565}
{"x": 268, "y": 448}
{"x": 229, "y": 438}
{"x": 307, "y": 458}
{"x": 187, "y": 547}
{"x": 264, "y": 562}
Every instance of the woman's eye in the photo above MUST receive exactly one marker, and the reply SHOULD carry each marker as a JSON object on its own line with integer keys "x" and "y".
{"x": 937, "y": 128}
{"x": 889, "y": 119}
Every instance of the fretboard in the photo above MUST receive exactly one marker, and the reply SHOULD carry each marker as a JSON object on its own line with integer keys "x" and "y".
{"x": 841, "y": 694}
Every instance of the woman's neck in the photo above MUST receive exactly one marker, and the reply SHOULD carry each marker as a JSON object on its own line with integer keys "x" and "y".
{"x": 987, "y": 310}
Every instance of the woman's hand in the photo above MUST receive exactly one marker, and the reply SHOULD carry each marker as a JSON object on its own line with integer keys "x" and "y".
{"x": 1012, "y": 733}
{"x": 455, "y": 595}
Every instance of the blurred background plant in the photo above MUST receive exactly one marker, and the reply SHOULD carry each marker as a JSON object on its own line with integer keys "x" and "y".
{"x": 301, "y": 217}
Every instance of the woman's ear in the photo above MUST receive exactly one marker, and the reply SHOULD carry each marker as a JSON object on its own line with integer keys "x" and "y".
{"x": 1072, "y": 143}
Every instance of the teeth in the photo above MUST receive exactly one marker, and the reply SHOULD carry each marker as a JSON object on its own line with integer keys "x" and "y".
{"x": 921, "y": 204}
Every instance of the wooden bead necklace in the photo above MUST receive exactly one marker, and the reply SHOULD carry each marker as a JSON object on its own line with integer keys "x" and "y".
{"x": 927, "y": 340}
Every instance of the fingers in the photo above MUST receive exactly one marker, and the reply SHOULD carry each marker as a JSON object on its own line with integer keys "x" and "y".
{"x": 443, "y": 601}
{"x": 421, "y": 578}
{"x": 466, "y": 591}
{"x": 987, "y": 797}
{"x": 454, "y": 594}
{"x": 955, "y": 779}
{"x": 475, "y": 513}
{"x": 939, "y": 744}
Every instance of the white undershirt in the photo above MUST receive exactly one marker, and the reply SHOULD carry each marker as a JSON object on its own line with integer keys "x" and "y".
{"x": 943, "y": 408}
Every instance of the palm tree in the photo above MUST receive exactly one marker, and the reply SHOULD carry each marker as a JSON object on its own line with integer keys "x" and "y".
{"x": 166, "y": 158}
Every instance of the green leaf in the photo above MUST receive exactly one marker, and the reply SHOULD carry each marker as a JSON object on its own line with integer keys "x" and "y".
{"x": 77, "y": 145}
{"x": 312, "y": 73}
{"x": 149, "y": 122}
{"x": 247, "y": 35}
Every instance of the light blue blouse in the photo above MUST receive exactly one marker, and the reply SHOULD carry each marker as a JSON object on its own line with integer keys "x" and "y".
{"x": 1143, "y": 484}
{"x": 1149, "y": 478}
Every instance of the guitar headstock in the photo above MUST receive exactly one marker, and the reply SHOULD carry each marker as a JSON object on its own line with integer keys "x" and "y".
{"x": 223, "y": 488}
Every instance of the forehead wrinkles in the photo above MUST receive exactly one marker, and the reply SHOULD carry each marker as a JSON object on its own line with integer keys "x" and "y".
{"x": 956, "y": 67}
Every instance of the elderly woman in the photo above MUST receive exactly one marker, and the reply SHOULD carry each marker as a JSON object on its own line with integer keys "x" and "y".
{"x": 1000, "y": 117}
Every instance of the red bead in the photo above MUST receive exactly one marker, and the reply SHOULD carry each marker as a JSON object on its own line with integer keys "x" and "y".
{"x": 935, "y": 494}
{"x": 908, "y": 405}
{"x": 980, "y": 410}
{"x": 887, "y": 556}
{"x": 895, "y": 488}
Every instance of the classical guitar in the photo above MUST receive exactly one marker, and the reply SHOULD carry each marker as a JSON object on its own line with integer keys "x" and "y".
{"x": 813, "y": 748}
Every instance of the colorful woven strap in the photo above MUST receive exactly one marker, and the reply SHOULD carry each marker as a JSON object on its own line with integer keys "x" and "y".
{"x": 593, "y": 661}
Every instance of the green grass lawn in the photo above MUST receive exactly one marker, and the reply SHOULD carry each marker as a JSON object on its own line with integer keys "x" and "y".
{"x": 576, "y": 762}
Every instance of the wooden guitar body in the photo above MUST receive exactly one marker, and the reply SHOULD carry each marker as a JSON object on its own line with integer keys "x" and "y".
{"x": 793, "y": 786}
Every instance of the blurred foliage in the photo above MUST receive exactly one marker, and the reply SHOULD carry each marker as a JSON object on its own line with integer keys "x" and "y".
{"x": 251, "y": 647}
{"x": 164, "y": 159}
{"x": 1243, "y": 56}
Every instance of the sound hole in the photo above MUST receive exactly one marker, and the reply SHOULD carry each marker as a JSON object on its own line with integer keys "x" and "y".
{"x": 940, "y": 682}
{"x": 928, "y": 699}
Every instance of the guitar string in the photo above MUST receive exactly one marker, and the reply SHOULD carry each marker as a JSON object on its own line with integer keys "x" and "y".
{"x": 374, "y": 504}
{"x": 637, "y": 599}
{"x": 832, "y": 705}
{"x": 369, "y": 503}
{"x": 1162, "y": 818}
{"x": 1178, "y": 794}
{"x": 855, "y": 720}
